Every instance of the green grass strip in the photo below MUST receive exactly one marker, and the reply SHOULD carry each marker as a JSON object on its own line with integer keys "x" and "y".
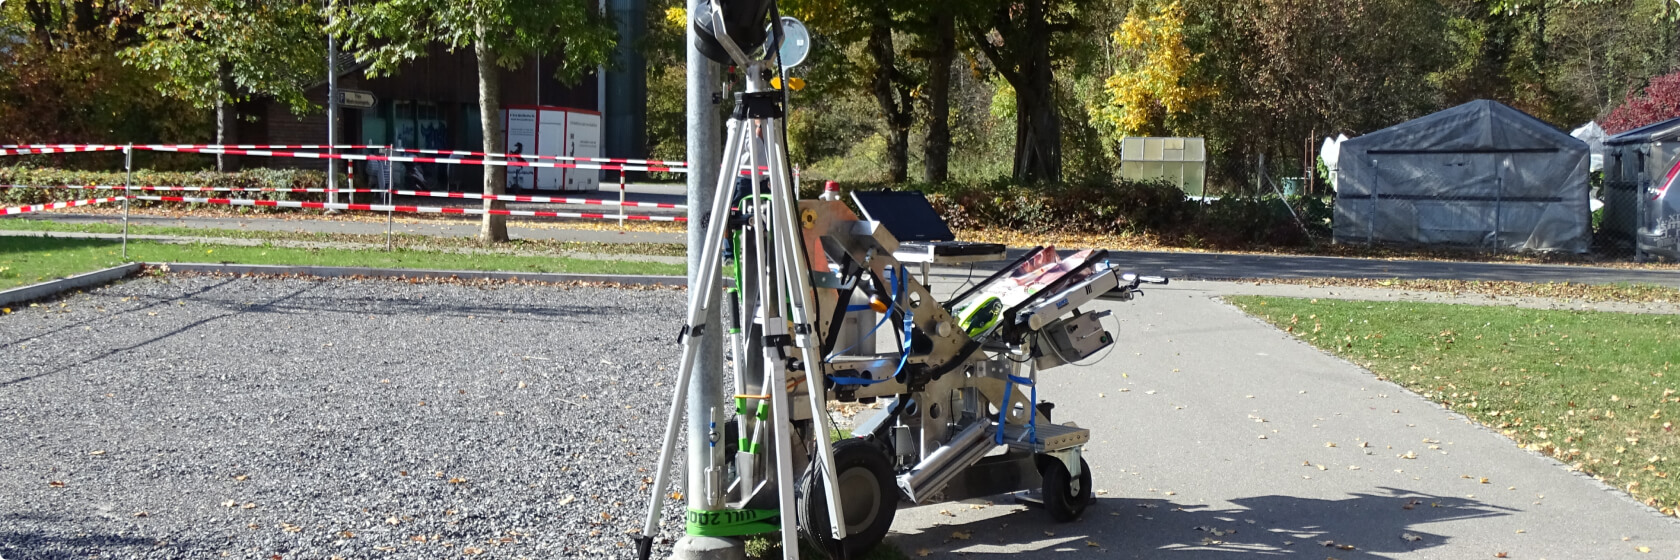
{"x": 27, "y": 260}
{"x": 1588, "y": 388}
{"x": 399, "y": 239}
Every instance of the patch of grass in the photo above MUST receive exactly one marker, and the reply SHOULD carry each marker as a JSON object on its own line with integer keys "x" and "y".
{"x": 27, "y": 260}
{"x": 400, "y": 240}
{"x": 1588, "y": 388}
{"x": 1621, "y": 292}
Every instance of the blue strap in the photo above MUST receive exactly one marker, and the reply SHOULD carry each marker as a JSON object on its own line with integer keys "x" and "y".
{"x": 1003, "y": 409}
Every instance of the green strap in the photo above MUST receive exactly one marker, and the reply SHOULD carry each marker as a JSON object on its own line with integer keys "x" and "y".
{"x": 733, "y": 522}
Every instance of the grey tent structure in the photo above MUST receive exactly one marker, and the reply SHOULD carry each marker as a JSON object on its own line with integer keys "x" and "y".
{"x": 1638, "y": 206}
{"x": 1481, "y": 174}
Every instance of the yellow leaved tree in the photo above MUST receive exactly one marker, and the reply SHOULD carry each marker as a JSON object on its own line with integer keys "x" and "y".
{"x": 1152, "y": 62}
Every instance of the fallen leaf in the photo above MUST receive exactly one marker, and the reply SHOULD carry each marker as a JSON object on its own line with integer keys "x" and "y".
{"x": 1329, "y": 444}
{"x": 1092, "y": 544}
{"x": 230, "y": 503}
{"x": 570, "y": 498}
{"x": 1500, "y": 555}
{"x": 1409, "y": 455}
{"x": 55, "y": 483}
{"x": 947, "y": 513}
{"x": 470, "y": 551}
{"x": 248, "y": 505}
{"x": 457, "y": 480}
{"x": 962, "y": 535}
{"x": 1410, "y": 537}
{"x": 393, "y": 520}
{"x": 1643, "y": 549}
{"x": 922, "y": 552}
{"x": 97, "y": 452}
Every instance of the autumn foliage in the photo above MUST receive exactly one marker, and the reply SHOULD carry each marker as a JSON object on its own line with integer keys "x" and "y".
{"x": 1659, "y": 101}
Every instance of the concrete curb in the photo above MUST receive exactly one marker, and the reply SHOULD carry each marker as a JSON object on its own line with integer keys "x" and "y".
{"x": 348, "y": 271}
{"x": 54, "y": 287}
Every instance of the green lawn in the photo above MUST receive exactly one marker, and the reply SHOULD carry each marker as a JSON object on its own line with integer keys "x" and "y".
{"x": 27, "y": 260}
{"x": 1588, "y": 388}
{"x": 406, "y": 240}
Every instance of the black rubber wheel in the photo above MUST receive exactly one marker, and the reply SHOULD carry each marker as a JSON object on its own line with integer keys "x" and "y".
{"x": 1064, "y": 497}
{"x": 867, "y": 495}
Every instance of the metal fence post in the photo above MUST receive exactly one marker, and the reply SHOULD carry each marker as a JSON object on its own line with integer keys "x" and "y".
{"x": 621, "y": 197}
{"x": 128, "y": 192}
{"x": 390, "y": 197}
{"x": 1499, "y": 203}
{"x": 1371, "y": 222}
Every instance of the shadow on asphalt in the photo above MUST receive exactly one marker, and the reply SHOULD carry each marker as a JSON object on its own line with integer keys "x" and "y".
{"x": 1373, "y": 524}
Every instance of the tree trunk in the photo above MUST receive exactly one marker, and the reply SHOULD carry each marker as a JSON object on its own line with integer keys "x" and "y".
{"x": 936, "y": 152}
{"x": 890, "y": 92}
{"x": 1037, "y": 100}
{"x": 1022, "y": 57}
{"x": 224, "y": 114}
{"x": 494, "y": 227}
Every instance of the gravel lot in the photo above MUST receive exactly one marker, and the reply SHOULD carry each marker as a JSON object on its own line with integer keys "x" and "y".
{"x": 199, "y": 417}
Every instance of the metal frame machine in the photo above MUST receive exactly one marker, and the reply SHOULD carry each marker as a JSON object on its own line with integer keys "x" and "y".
{"x": 825, "y": 309}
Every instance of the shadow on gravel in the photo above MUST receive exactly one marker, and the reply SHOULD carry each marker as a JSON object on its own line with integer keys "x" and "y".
{"x": 1373, "y": 525}
{"x": 398, "y": 308}
{"x": 92, "y": 319}
{"x": 44, "y": 545}
{"x": 257, "y": 308}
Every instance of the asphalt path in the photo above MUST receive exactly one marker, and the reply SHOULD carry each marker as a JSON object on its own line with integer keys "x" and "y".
{"x": 1212, "y": 436}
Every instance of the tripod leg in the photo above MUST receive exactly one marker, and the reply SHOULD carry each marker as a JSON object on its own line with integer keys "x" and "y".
{"x": 796, "y": 273}
{"x": 697, "y": 334}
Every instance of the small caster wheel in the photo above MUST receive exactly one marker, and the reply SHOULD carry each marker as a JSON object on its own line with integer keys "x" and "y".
{"x": 1065, "y": 496}
{"x": 868, "y": 500}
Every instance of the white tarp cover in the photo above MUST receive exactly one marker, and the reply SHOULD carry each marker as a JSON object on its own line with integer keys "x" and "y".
{"x": 1594, "y": 136}
{"x": 1480, "y": 174}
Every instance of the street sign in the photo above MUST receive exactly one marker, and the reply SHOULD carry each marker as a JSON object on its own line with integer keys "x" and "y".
{"x": 356, "y": 99}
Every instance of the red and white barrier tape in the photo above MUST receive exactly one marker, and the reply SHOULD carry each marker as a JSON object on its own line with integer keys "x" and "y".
{"x": 56, "y": 205}
{"x": 63, "y": 150}
{"x": 406, "y": 159}
{"x": 40, "y": 146}
{"x": 191, "y": 189}
{"x": 405, "y": 209}
{"x": 274, "y": 146}
{"x": 543, "y": 157}
{"x": 551, "y": 199}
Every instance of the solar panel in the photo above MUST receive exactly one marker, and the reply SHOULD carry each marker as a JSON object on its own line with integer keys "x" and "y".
{"x": 907, "y": 214}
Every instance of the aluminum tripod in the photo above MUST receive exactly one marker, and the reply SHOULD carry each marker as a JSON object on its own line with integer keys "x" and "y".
{"x": 781, "y": 279}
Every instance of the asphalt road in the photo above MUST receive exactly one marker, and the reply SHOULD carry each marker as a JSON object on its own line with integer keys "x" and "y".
{"x": 1178, "y": 412}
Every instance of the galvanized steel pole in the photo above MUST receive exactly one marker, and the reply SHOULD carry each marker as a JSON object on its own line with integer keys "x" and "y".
{"x": 705, "y": 389}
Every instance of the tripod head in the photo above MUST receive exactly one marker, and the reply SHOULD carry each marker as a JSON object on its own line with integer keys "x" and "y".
{"x": 744, "y": 31}
{"x": 726, "y": 31}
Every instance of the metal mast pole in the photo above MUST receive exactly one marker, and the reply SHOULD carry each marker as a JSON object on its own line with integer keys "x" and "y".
{"x": 332, "y": 112}
{"x": 705, "y": 389}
